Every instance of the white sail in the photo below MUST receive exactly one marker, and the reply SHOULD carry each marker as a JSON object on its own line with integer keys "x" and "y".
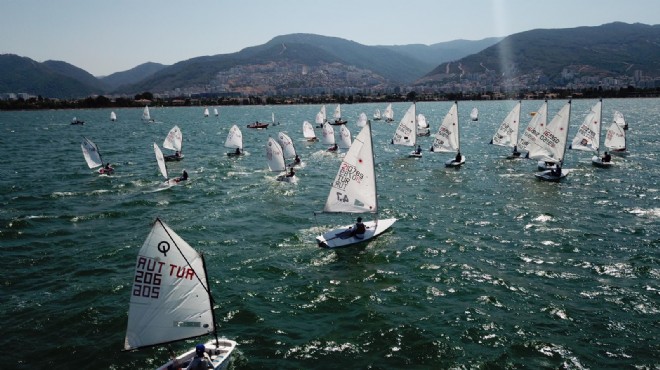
{"x": 354, "y": 187}
{"x": 145, "y": 114}
{"x": 174, "y": 139}
{"x": 337, "y": 114}
{"x": 474, "y": 114}
{"x": 507, "y": 134}
{"x": 308, "y": 130}
{"x": 328, "y": 134}
{"x": 620, "y": 120}
{"x": 362, "y": 120}
{"x": 534, "y": 128}
{"x": 286, "y": 144}
{"x": 275, "y": 156}
{"x": 215, "y": 111}
{"x": 91, "y": 153}
{"x": 234, "y": 138}
{"x": 170, "y": 296}
{"x": 389, "y": 113}
{"x": 206, "y": 112}
{"x": 377, "y": 115}
{"x": 406, "y": 132}
{"x": 588, "y": 135}
{"x": 161, "y": 161}
{"x": 447, "y": 138}
{"x": 113, "y": 116}
{"x": 344, "y": 137}
{"x": 272, "y": 117}
{"x": 551, "y": 145}
{"x": 320, "y": 116}
{"x": 615, "y": 138}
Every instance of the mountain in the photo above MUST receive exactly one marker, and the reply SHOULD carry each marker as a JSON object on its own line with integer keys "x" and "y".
{"x": 49, "y": 79}
{"x": 132, "y": 75}
{"x": 288, "y": 56}
{"x": 557, "y": 55}
{"x": 444, "y": 51}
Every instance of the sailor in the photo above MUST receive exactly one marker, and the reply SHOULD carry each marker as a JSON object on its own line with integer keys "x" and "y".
{"x": 607, "y": 157}
{"x": 359, "y": 229}
{"x": 202, "y": 361}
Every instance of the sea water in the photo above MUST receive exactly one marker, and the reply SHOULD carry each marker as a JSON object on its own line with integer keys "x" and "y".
{"x": 486, "y": 267}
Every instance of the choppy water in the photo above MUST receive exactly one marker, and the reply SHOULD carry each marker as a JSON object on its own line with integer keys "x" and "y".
{"x": 486, "y": 268}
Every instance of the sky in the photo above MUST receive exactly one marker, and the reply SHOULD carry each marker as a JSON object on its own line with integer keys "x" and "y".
{"x": 107, "y": 36}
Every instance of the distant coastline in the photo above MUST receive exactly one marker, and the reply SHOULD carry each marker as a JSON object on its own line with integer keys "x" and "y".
{"x": 37, "y": 103}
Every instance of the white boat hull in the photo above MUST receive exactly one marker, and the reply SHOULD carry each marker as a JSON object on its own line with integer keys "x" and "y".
{"x": 548, "y": 175}
{"x": 453, "y": 163}
{"x": 340, "y": 237}
{"x": 220, "y": 355}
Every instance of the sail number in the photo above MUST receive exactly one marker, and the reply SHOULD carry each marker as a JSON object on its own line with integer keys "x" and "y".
{"x": 149, "y": 276}
{"x": 341, "y": 197}
{"x": 347, "y": 173}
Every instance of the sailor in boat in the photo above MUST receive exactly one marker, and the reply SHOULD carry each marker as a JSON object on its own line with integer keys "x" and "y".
{"x": 359, "y": 229}
{"x": 515, "y": 153}
{"x": 556, "y": 171}
{"x": 607, "y": 157}
{"x": 291, "y": 173}
{"x": 238, "y": 151}
{"x": 458, "y": 157}
{"x": 419, "y": 150}
{"x": 202, "y": 361}
{"x": 177, "y": 154}
{"x": 333, "y": 148}
{"x": 183, "y": 177}
{"x": 296, "y": 160}
{"x": 107, "y": 168}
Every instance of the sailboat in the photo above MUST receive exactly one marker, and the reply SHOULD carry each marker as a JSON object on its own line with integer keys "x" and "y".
{"x": 146, "y": 116}
{"x": 93, "y": 156}
{"x": 288, "y": 150}
{"x": 423, "y": 128}
{"x": 354, "y": 191}
{"x": 163, "y": 168}
{"x": 552, "y": 145}
{"x": 113, "y": 116}
{"x": 620, "y": 120}
{"x": 308, "y": 131}
{"x": 76, "y": 121}
{"x": 171, "y": 299}
{"x": 206, "y": 112}
{"x": 389, "y": 113}
{"x": 328, "y": 136}
{"x": 337, "y": 116}
{"x": 406, "y": 132}
{"x": 234, "y": 141}
{"x": 447, "y": 139}
{"x": 507, "y": 134}
{"x": 174, "y": 141}
{"x": 534, "y": 128}
{"x": 587, "y": 137}
{"x": 615, "y": 140}
{"x": 215, "y": 112}
{"x": 377, "y": 116}
{"x": 474, "y": 114}
{"x": 344, "y": 137}
{"x": 362, "y": 120}
{"x": 276, "y": 161}
{"x": 320, "y": 117}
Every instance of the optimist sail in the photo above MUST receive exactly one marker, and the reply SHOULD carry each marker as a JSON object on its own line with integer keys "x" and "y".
{"x": 161, "y": 161}
{"x": 170, "y": 298}
{"x": 91, "y": 153}
{"x": 308, "y": 131}
{"x": 275, "y": 156}
{"x": 146, "y": 116}
{"x": 362, "y": 120}
{"x": 234, "y": 138}
{"x": 615, "y": 138}
{"x": 320, "y": 116}
{"x": 328, "y": 134}
{"x": 288, "y": 150}
{"x": 174, "y": 139}
{"x": 344, "y": 137}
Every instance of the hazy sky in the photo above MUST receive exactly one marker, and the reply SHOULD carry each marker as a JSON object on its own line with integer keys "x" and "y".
{"x": 107, "y": 36}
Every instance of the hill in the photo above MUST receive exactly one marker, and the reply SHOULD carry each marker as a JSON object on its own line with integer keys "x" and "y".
{"x": 132, "y": 75}
{"x": 557, "y": 55}
{"x": 48, "y": 79}
{"x": 442, "y": 52}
